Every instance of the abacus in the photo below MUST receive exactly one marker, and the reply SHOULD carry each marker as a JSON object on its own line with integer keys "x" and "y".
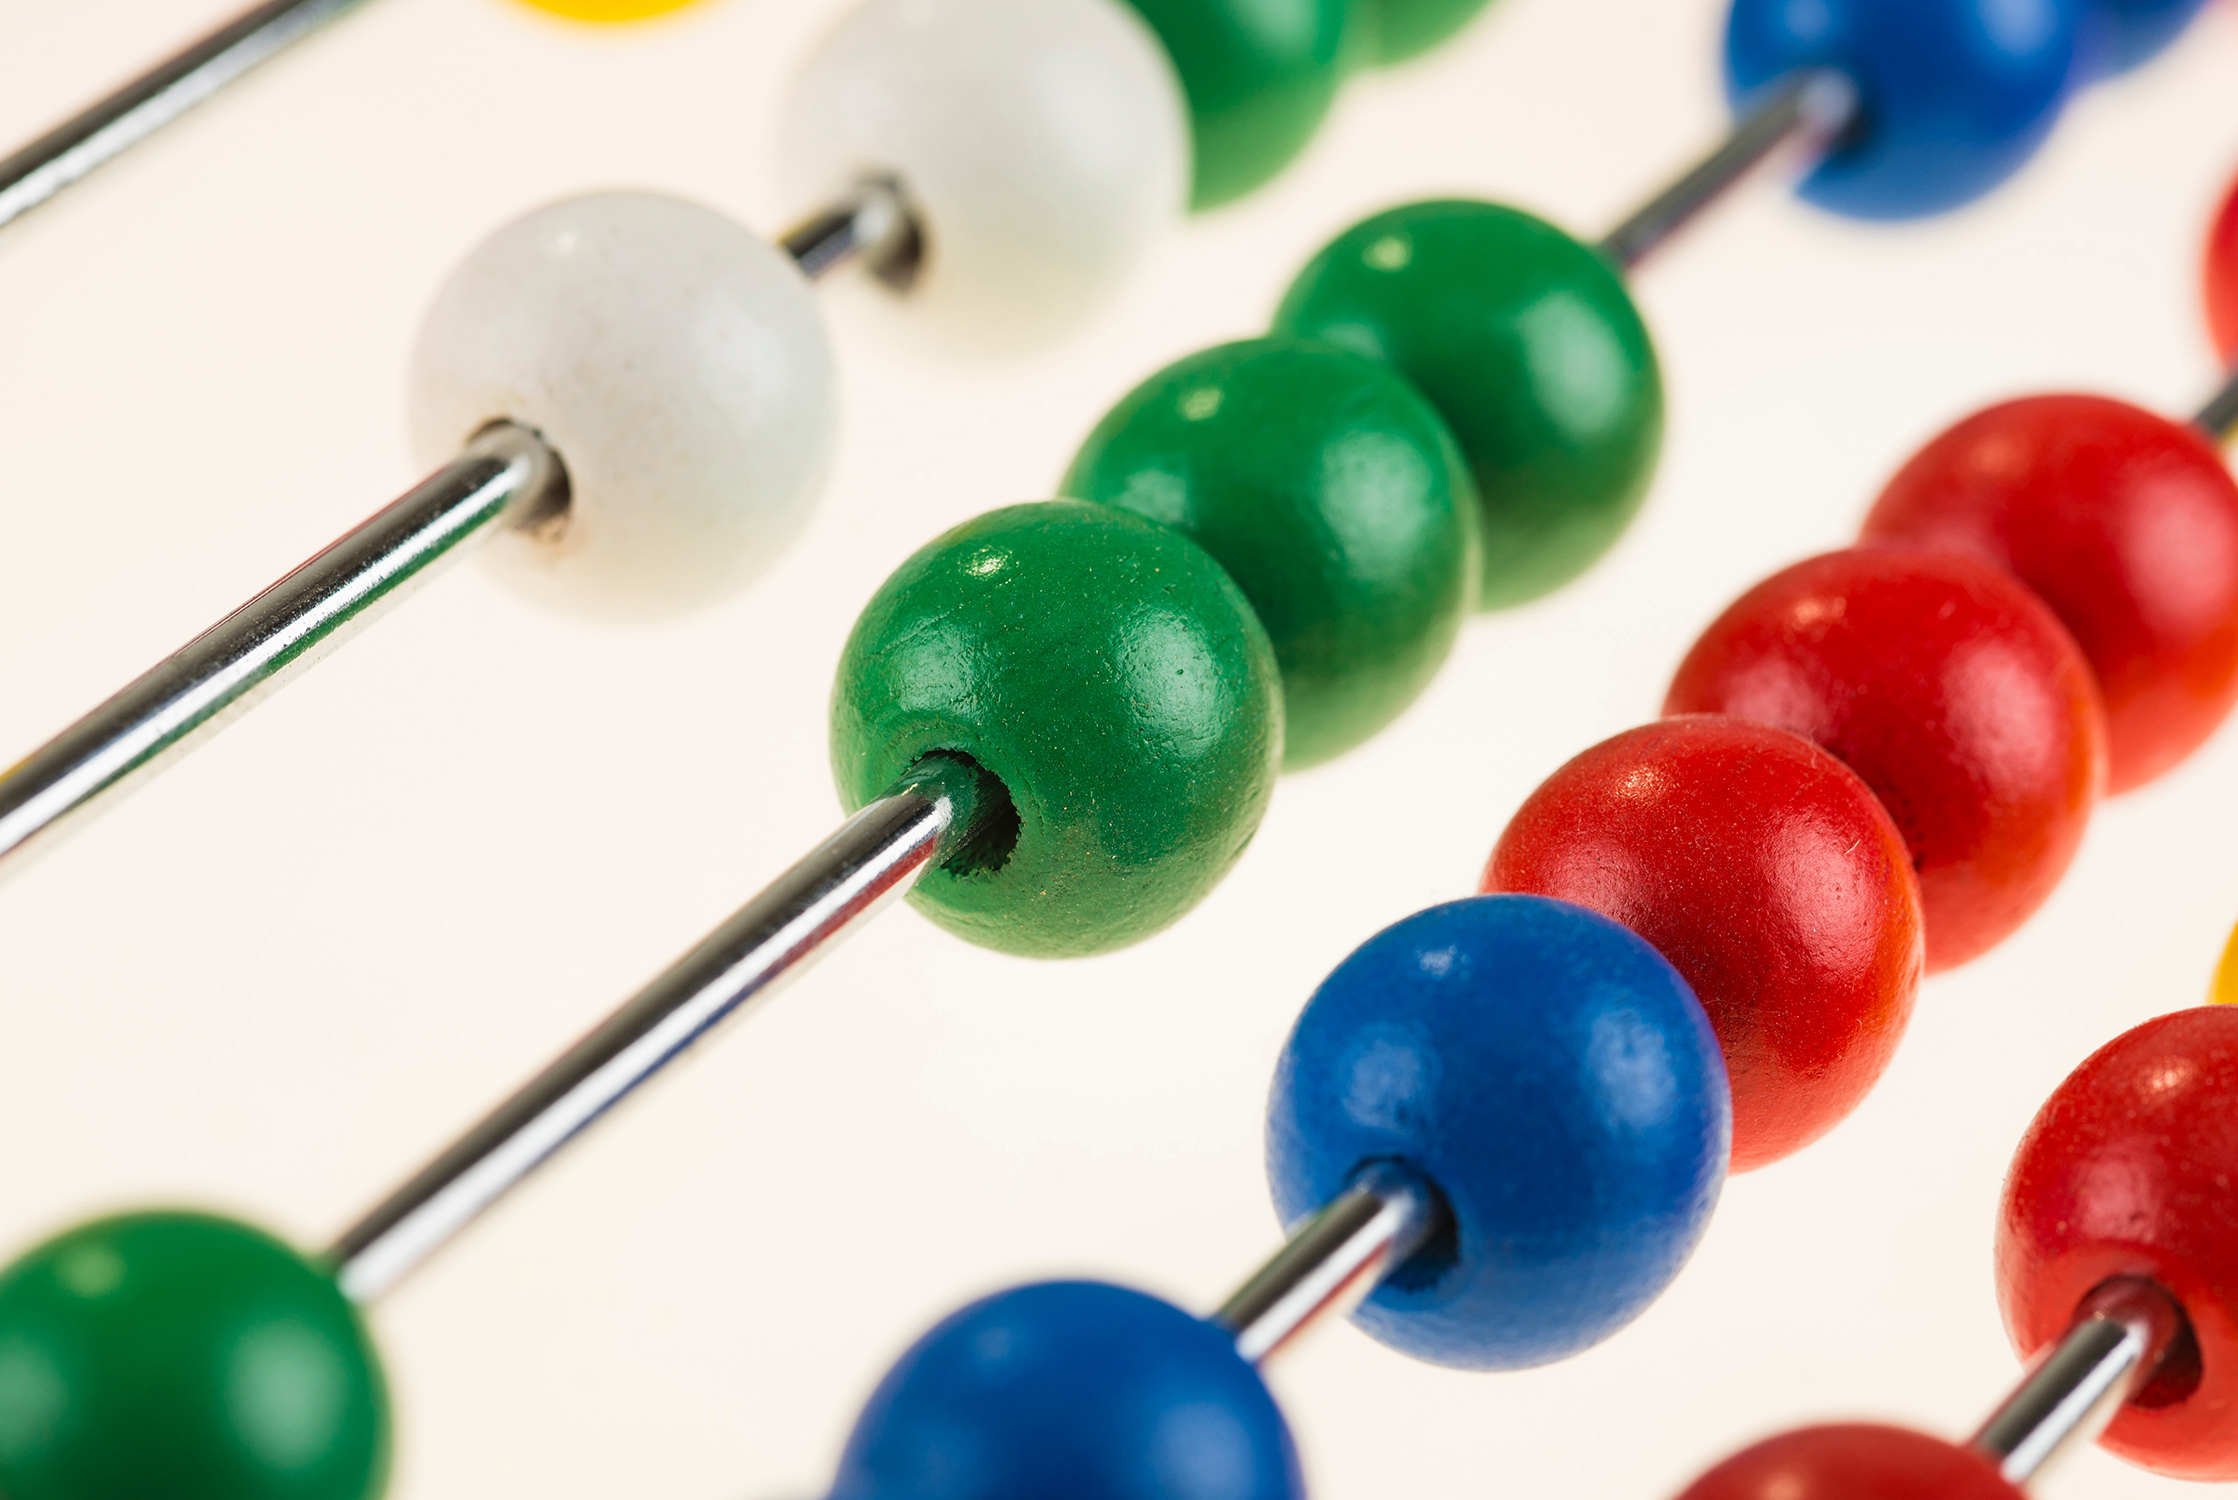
{"x": 1394, "y": 1222}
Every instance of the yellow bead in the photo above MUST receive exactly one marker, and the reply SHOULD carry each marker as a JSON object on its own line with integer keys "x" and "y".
{"x": 608, "y": 10}
{"x": 2225, "y": 991}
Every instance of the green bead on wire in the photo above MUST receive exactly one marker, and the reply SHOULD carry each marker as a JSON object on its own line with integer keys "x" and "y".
{"x": 1529, "y": 345}
{"x": 1333, "y": 495}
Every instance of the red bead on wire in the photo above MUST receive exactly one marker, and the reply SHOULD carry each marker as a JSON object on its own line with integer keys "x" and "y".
{"x": 2126, "y": 524}
{"x": 2222, "y": 278}
{"x": 1957, "y": 696}
{"x": 1854, "y": 1461}
{"x": 1770, "y": 877}
{"x": 2131, "y": 1169}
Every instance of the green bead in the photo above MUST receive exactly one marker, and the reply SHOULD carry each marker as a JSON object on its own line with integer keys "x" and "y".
{"x": 1335, "y": 498}
{"x": 184, "y": 1357}
{"x": 1111, "y": 676}
{"x": 1528, "y": 344}
{"x": 1407, "y": 28}
{"x": 1259, "y": 76}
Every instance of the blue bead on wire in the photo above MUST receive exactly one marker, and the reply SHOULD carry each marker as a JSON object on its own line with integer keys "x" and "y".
{"x": 1076, "y": 1389}
{"x": 2120, "y": 34}
{"x": 1556, "y": 1082}
{"x": 1956, "y": 94}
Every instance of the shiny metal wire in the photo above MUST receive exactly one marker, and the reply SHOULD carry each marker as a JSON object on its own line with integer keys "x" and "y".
{"x": 2123, "y": 1331}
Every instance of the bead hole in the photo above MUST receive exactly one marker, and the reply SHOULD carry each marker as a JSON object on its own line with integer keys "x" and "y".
{"x": 1438, "y": 1254}
{"x": 2179, "y": 1371}
{"x": 987, "y": 823}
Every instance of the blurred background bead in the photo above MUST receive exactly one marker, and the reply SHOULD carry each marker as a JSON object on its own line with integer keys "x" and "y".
{"x": 1958, "y": 94}
{"x": 1577, "y": 1184}
{"x": 1259, "y": 75}
{"x": 1404, "y": 29}
{"x": 1956, "y": 695}
{"x": 2126, "y": 524}
{"x": 185, "y": 1356}
{"x": 1774, "y": 882}
{"x": 1043, "y": 146}
{"x": 1527, "y": 342}
{"x": 1332, "y": 494}
{"x": 2222, "y": 278}
{"x": 2129, "y": 1170}
{"x": 1075, "y": 1389}
{"x": 2120, "y": 34}
{"x": 609, "y": 10}
{"x": 678, "y": 366}
{"x": 1853, "y": 1461}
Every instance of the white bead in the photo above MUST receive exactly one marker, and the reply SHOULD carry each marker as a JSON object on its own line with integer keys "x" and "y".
{"x": 679, "y": 367}
{"x": 1045, "y": 144}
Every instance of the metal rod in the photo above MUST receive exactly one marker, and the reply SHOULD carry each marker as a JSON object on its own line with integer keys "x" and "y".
{"x": 153, "y": 100}
{"x": 874, "y": 857}
{"x": 1336, "y": 1258}
{"x": 2219, "y": 417}
{"x": 506, "y": 476}
{"x": 1801, "y": 118}
{"x": 873, "y": 224}
{"x": 2121, "y": 1333}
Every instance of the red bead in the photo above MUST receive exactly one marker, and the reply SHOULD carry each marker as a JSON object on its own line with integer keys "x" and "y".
{"x": 2126, "y": 524}
{"x": 1853, "y": 1462}
{"x": 1957, "y": 696}
{"x": 2131, "y": 1169}
{"x": 2222, "y": 277}
{"x": 1769, "y": 876}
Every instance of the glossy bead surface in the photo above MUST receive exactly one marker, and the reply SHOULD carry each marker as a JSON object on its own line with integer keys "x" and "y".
{"x": 1526, "y": 341}
{"x": 1952, "y": 691}
{"x": 2131, "y": 1169}
{"x": 1853, "y": 1461}
{"x": 1042, "y": 144}
{"x": 184, "y": 1356}
{"x": 2222, "y": 278}
{"x": 1402, "y": 29}
{"x": 2120, "y": 34}
{"x": 1770, "y": 877}
{"x": 2126, "y": 524}
{"x": 676, "y": 363}
{"x": 1260, "y": 76}
{"x": 1957, "y": 94}
{"x": 1109, "y": 673}
{"x": 1335, "y": 498}
{"x": 1073, "y": 1389}
{"x": 1555, "y": 1081}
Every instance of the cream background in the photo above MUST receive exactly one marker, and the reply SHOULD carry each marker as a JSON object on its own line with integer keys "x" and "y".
{"x": 284, "y": 974}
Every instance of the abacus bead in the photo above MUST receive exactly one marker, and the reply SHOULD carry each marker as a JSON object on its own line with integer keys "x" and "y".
{"x": 1853, "y": 1461}
{"x": 1110, "y": 675}
{"x": 2131, "y": 1169}
{"x": 609, "y": 10}
{"x": 2224, "y": 989}
{"x": 1954, "y": 693}
{"x": 1073, "y": 1389}
{"x": 1550, "y": 1075}
{"x": 184, "y": 1356}
{"x": 1259, "y": 75}
{"x": 2120, "y": 34}
{"x": 1401, "y": 29}
{"x": 1528, "y": 344}
{"x": 2126, "y": 524}
{"x": 677, "y": 365}
{"x": 2222, "y": 278}
{"x": 1042, "y": 144}
{"x": 1957, "y": 94}
{"x": 1770, "y": 877}
{"x": 1335, "y": 498}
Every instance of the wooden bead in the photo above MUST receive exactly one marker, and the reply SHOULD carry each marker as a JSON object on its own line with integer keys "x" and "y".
{"x": 2131, "y": 1169}
{"x": 2126, "y": 524}
{"x": 1957, "y": 696}
{"x": 1334, "y": 497}
{"x": 1770, "y": 877}
{"x": 1109, "y": 673}
{"x": 1853, "y": 1461}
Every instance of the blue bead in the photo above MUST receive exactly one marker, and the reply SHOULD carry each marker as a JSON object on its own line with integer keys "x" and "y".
{"x": 1073, "y": 1389}
{"x": 1957, "y": 94}
{"x": 2120, "y": 34}
{"x": 1557, "y": 1083}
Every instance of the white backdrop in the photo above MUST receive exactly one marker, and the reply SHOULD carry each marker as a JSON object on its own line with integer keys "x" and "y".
{"x": 279, "y": 978}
